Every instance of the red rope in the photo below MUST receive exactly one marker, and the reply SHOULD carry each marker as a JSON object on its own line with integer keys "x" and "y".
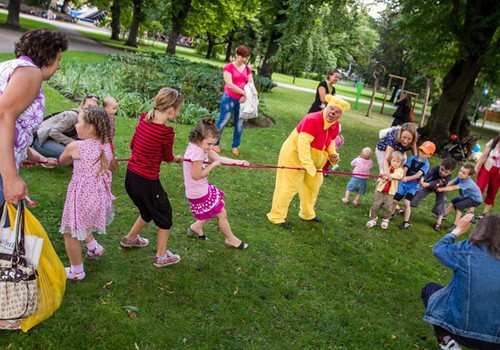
{"x": 263, "y": 166}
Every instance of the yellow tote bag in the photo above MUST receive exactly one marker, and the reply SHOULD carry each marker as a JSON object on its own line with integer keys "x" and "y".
{"x": 51, "y": 280}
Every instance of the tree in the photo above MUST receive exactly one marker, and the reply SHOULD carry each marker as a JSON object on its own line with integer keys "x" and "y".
{"x": 178, "y": 11}
{"x": 115, "y": 20}
{"x": 463, "y": 37}
{"x": 14, "y": 8}
{"x": 136, "y": 21}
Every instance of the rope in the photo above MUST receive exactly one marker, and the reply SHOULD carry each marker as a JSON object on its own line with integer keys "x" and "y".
{"x": 263, "y": 166}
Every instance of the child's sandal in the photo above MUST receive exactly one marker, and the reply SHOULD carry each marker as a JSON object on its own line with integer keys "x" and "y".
{"x": 371, "y": 223}
{"x": 384, "y": 224}
{"x": 437, "y": 227}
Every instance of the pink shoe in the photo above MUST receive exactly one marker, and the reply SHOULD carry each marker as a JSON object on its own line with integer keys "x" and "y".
{"x": 96, "y": 252}
{"x": 345, "y": 201}
{"x": 217, "y": 149}
{"x": 74, "y": 276}
{"x": 235, "y": 151}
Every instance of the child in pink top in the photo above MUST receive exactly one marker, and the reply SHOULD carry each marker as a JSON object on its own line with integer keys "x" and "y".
{"x": 362, "y": 165}
{"x": 206, "y": 201}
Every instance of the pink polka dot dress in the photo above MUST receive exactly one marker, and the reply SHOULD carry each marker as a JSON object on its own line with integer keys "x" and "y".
{"x": 88, "y": 206}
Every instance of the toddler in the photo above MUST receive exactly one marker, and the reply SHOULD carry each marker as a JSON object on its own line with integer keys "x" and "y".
{"x": 206, "y": 201}
{"x": 151, "y": 144}
{"x": 361, "y": 165}
{"x": 414, "y": 168}
{"x": 470, "y": 194}
{"x": 88, "y": 205}
{"x": 110, "y": 105}
{"x": 385, "y": 189}
{"x": 437, "y": 177}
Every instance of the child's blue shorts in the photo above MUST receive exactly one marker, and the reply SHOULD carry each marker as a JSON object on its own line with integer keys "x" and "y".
{"x": 356, "y": 185}
{"x": 406, "y": 190}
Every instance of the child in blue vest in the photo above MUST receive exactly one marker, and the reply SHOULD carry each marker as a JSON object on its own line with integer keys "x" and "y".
{"x": 415, "y": 167}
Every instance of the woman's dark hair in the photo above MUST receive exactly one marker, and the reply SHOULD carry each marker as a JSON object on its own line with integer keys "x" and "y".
{"x": 203, "y": 130}
{"x": 332, "y": 72}
{"x": 242, "y": 50}
{"x": 41, "y": 45}
{"x": 486, "y": 234}
{"x": 495, "y": 142}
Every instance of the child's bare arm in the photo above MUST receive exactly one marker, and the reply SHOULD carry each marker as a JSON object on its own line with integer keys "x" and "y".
{"x": 448, "y": 188}
{"x": 70, "y": 153}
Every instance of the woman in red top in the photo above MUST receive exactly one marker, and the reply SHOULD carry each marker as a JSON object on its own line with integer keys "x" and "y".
{"x": 236, "y": 75}
{"x": 151, "y": 144}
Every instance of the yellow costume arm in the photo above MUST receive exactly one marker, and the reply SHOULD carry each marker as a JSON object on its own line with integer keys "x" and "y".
{"x": 331, "y": 150}
{"x": 304, "y": 150}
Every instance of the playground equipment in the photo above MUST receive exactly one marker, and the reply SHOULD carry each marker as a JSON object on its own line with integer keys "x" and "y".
{"x": 375, "y": 84}
{"x": 403, "y": 81}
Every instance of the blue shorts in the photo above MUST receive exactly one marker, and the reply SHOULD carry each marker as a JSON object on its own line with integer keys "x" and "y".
{"x": 356, "y": 185}
{"x": 406, "y": 190}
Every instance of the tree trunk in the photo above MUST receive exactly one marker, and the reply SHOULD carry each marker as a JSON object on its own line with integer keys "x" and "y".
{"x": 115, "y": 20}
{"x": 14, "y": 8}
{"x": 268, "y": 66}
{"x": 134, "y": 28}
{"x": 448, "y": 115}
{"x": 211, "y": 44}
{"x": 229, "y": 47}
{"x": 179, "y": 13}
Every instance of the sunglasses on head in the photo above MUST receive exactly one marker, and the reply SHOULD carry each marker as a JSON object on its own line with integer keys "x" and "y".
{"x": 92, "y": 96}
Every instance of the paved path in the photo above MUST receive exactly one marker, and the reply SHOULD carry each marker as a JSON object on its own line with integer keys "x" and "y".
{"x": 77, "y": 42}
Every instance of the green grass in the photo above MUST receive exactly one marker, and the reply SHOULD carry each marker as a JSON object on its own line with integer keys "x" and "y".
{"x": 336, "y": 285}
{"x": 28, "y": 23}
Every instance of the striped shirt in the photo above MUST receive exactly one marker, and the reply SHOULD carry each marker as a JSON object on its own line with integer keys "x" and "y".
{"x": 151, "y": 144}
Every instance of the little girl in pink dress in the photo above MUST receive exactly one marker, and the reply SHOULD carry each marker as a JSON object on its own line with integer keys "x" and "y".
{"x": 88, "y": 207}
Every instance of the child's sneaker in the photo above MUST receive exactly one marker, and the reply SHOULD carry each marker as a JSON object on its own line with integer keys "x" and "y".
{"x": 405, "y": 225}
{"x": 400, "y": 211}
{"x": 449, "y": 343}
{"x": 138, "y": 242}
{"x": 385, "y": 224}
{"x": 96, "y": 252}
{"x": 371, "y": 223}
{"x": 167, "y": 259}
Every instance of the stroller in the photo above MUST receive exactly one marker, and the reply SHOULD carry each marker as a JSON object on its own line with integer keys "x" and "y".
{"x": 460, "y": 149}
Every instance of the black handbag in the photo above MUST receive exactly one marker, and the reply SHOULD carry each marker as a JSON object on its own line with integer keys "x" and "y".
{"x": 18, "y": 285}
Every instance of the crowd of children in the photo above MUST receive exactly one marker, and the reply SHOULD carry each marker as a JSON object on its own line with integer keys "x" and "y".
{"x": 88, "y": 207}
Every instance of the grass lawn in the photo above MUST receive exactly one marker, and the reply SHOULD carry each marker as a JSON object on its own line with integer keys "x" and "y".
{"x": 335, "y": 285}
{"x": 28, "y": 23}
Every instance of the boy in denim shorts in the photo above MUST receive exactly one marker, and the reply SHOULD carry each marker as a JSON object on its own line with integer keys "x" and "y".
{"x": 415, "y": 167}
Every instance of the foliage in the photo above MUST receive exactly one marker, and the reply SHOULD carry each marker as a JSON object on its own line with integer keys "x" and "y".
{"x": 263, "y": 84}
{"x": 135, "y": 79}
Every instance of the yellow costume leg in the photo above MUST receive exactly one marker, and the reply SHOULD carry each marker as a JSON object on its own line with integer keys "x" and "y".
{"x": 288, "y": 183}
{"x": 308, "y": 193}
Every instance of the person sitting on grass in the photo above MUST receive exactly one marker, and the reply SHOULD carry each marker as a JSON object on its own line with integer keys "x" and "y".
{"x": 384, "y": 193}
{"x": 466, "y": 311}
{"x": 414, "y": 168}
{"x": 470, "y": 193}
{"x": 110, "y": 105}
{"x": 362, "y": 165}
{"x": 437, "y": 177}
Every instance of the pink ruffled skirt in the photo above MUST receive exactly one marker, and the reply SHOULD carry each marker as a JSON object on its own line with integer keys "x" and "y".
{"x": 206, "y": 207}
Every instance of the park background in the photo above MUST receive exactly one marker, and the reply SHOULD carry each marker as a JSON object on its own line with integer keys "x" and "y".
{"x": 337, "y": 285}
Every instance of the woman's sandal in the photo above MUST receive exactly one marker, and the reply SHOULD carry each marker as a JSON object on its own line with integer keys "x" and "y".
{"x": 194, "y": 234}
{"x": 242, "y": 245}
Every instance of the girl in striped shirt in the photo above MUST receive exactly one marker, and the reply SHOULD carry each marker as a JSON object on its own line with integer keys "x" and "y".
{"x": 152, "y": 144}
